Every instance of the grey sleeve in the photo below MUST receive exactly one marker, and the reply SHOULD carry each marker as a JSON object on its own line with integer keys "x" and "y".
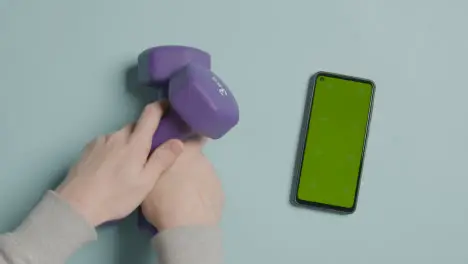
{"x": 51, "y": 233}
{"x": 189, "y": 245}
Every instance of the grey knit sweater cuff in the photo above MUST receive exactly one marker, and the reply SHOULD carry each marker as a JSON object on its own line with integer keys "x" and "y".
{"x": 194, "y": 245}
{"x": 51, "y": 233}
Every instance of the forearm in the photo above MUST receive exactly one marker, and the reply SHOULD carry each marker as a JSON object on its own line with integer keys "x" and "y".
{"x": 189, "y": 245}
{"x": 50, "y": 234}
{"x": 53, "y": 231}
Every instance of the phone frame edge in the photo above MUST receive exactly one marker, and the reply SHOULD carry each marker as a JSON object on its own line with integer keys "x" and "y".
{"x": 303, "y": 139}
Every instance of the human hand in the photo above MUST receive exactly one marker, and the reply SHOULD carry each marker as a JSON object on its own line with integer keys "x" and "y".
{"x": 187, "y": 194}
{"x": 115, "y": 174}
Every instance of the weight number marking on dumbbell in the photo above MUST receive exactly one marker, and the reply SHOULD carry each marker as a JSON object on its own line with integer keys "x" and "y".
{"x": 221, "y": 90}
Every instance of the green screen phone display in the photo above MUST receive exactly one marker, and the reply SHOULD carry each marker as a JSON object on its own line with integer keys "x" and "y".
{"x": 335, "y": 141}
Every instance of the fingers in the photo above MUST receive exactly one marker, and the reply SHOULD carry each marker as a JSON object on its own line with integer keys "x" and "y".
{"x": 127, "y": 130}
{"x": 147, "y": 124}
{"x": 163, "y": 157}
{"x": 122, "y": 135}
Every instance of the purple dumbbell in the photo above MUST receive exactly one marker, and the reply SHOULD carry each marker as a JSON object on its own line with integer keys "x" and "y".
{"x": 200, "y": 102}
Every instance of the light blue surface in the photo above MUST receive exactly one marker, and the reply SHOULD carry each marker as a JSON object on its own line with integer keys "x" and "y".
{"x": 62, "y": 82}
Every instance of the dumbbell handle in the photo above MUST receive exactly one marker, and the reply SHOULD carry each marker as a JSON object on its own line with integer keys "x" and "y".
{"x": 171, "y": 126}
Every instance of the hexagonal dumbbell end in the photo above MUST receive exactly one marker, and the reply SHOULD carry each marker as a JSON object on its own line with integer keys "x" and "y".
{"x": 156, "y": 65}
{"x": 201, "y": 104}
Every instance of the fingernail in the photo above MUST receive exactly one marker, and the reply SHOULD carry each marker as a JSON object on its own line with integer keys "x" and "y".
{"x": 148, "y": 108}
{"x": 176, "y": 147}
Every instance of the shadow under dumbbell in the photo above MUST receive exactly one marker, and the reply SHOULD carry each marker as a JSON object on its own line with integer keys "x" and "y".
{"x": 143, "y": 94}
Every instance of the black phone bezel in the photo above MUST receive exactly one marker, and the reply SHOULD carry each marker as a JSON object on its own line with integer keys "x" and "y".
{"x": 303, "y": 139}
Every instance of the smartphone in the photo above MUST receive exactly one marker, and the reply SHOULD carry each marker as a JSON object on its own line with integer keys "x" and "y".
{"x": 332, "y": 143}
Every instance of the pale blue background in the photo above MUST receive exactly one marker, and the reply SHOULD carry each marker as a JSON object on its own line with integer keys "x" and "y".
{"x": 62, "y": 81}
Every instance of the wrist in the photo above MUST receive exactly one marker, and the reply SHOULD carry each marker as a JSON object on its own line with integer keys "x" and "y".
{"x": 51, "y": 232}
{"x": 84, "y": 209}
{"x": 164, "y": 220}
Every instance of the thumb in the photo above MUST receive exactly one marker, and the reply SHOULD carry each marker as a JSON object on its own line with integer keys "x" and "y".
{"x": 163, "y": 157}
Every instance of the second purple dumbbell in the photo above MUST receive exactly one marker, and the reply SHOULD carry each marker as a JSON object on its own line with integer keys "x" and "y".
{"x": 200, "y": 102}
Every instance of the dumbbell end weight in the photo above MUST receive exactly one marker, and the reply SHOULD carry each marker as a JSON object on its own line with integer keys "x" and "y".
{"x": 157, "y": 64}
{"x": 203, "y": 101}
